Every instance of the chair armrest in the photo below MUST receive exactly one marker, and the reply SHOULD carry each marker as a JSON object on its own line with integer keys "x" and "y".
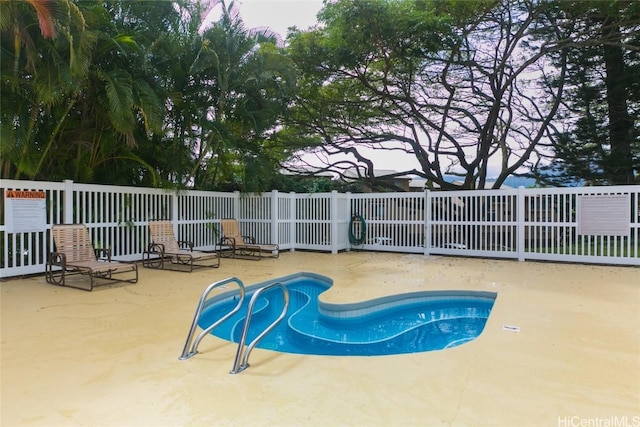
{"x": 103, "y": 252}
{"x": 185, "y": 244}
{"x": 249, "y": 239}
{"x": 155, "y": 248}
{"x": 227, "y": 241}
{"x": 57, "y": 258}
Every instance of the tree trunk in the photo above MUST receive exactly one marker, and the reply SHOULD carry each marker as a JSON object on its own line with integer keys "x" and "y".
{"x": 619, "y": 164}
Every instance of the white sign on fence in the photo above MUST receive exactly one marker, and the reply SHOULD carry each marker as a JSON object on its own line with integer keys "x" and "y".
{"x": 25, "y": 211}
{"x": 604, "y": 215}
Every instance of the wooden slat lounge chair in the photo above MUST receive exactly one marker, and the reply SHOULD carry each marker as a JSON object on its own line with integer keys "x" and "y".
{"x": 165, "y": 251}
{"x": 244, "y": 246}
{"x": 74, "y": 254}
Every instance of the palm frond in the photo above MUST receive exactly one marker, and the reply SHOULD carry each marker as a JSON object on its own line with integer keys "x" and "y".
{"x": 118, "y": 87}
{"x": 150, "y": 106}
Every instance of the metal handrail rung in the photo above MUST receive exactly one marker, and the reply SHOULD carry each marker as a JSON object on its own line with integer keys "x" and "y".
{"x": 239, "y": 366}
{"x": 190, "y": 352}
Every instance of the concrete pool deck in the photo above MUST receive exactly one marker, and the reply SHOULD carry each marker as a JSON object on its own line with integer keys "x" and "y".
{"x": 110, "y": 357}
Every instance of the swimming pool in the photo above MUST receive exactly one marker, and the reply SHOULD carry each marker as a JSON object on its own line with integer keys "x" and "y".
{"x": 397, "y": 324}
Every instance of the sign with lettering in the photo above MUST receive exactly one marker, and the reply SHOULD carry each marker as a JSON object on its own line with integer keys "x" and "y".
{"x": 25, "y": 211}
{"x": 604, "y": 215}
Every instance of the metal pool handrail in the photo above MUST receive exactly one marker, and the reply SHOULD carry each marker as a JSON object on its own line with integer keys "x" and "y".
{"x": 237, "y": 366}
{"x": 186, "y": 352}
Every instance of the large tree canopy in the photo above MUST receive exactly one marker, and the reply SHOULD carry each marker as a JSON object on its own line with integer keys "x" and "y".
{"x": 454, "y": 85}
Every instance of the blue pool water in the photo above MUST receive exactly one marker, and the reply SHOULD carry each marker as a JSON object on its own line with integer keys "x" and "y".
{"x": 405, "y": 323}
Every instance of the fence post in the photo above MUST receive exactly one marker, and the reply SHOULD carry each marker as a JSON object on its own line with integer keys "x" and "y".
{"x": 236, "y": 205}
{"x": 520, "y": 234}
{"x": 275, "y": 215}
{"x": 427, "y": 222}
{"x": 175, "y": 213}
{"x": 293, "y": 220}
{"x": 349, "y": 212}
{"x": 334, "y": 221}
{"x": 68, "y": 202}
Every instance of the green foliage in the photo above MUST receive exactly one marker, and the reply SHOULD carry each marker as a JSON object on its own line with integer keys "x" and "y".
{"x": 135, "y": 92}
{"x": 78, "y": 103}
{"x": 131, "y": 92}
{"x": 456, "y": 86}
{"x": 599, "y": 141}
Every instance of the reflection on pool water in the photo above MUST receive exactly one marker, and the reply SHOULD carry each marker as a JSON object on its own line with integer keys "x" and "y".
{"x": 405, "y": 323}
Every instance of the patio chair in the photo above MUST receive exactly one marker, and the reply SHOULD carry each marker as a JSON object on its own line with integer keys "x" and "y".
{"x": 74, "y": 254}
{"x": 165, "y": 251}
{"x": 244, "y": 246}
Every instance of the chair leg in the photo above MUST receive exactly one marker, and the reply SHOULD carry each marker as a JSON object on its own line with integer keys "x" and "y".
{"x": 50, "y": 276}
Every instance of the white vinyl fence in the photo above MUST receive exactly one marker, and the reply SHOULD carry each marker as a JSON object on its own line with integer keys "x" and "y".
{"x": 588, "y": 224}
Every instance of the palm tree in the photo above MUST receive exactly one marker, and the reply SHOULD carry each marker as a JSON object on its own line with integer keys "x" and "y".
{"x": 132, "y": 92}
{"x": 37, "y": 78}
{"x": 73, "y": 107}
{"x": 239, "y": 83}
